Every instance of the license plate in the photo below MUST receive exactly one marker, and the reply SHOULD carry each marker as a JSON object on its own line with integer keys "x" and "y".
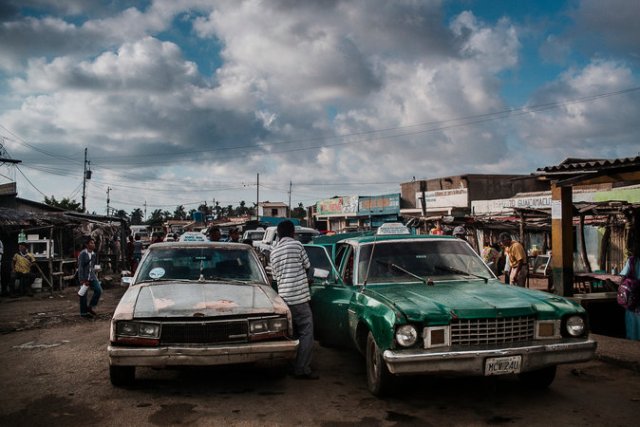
{"x": 502, "y": 365}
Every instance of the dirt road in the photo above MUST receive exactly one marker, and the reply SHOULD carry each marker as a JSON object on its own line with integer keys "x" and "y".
{"x": 55, "y": 373}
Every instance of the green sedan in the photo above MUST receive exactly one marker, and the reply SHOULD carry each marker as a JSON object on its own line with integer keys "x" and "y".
{"x": 430, "y": 305}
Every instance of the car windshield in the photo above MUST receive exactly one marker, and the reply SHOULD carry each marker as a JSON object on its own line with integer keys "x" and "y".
{"x": 402, "y": 261}
{"x": 173, "y": 263}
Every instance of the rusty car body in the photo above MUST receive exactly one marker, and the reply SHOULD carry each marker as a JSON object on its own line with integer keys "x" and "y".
{"x": 198, "y": 304}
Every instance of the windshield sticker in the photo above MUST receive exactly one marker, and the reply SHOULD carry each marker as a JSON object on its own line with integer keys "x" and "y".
{"x": 157, "y": 273}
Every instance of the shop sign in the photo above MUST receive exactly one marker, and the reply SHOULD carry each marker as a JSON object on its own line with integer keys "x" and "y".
{"x": 442, "y": 199}
{"x": 379, "y": 205}
{"x": 337, "y": 205}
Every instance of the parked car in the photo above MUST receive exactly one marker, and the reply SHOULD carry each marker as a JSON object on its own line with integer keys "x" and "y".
{"x": 270, "y": 240}
{"x": 429, "y": 305}
{"x": 255, "y": 235}
{"x": 198, "y": 303}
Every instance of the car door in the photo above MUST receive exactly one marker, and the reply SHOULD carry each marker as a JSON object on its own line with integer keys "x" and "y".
{"x": 330, "y": 299}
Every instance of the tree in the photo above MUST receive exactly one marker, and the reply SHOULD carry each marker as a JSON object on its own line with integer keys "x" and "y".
{"x": 300, "y": 212}
{"x": 156, "y": 218}
{"x": 242, "y": 209}
{"x": 179, "y": 213}
{"x": 65, "y": 203}
{"x": 136, "y": 216}
{"x": 122, "y": 214}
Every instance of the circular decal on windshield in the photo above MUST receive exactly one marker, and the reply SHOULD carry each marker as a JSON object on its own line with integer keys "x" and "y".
{"x": 156, "y": 273}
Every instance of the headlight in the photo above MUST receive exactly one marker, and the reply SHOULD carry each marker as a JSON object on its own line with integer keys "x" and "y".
{"x": 262, "y": 326}
{"x": 406, "y": 335}
{"x": 137, "y": 329}
{"x": 575, "y": 326}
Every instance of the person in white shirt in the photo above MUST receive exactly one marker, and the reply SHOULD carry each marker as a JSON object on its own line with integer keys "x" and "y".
{"x": 289, "y": 263}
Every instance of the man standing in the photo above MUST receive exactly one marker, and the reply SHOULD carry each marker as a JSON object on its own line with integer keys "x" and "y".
{"x": 214, "y": 234}
{"x": 289, "y": 262}
{"x": 234, "y": 235}
{"x": 88, "y": 279}
{"x": 22, "y": 263}
{"x": 518, "y": 266}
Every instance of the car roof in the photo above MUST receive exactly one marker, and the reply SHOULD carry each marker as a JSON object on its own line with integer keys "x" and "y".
{"x": 199, "y": 244}
{"x": 334, "y": 238}
{"x": 397, "y": 237}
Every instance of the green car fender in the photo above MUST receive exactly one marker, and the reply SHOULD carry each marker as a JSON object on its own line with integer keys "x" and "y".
{"x": 369, "y": 314}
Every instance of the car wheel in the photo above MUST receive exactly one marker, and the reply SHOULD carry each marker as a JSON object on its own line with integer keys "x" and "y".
{"x": 538, "y": 379}
{"x": 379, "y": 379}
{"x": 121, "y": 376}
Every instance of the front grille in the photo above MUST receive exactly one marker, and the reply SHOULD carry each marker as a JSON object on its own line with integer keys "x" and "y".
{"x": 492, "y": 331}
{"x": 218, "y": 332}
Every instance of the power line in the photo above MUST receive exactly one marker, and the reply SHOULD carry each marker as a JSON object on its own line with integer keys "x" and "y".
{"x": 31, "y": 183}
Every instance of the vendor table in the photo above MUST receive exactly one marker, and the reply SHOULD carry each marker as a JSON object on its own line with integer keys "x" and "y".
{"x": 590, "y": 282}
{"x": 55, "y": 271}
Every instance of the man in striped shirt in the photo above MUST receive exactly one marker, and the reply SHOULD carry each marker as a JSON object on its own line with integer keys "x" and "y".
{"x": 289, "y": 263}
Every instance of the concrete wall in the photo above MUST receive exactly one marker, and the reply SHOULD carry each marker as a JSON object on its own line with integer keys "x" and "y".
{"x": 480, "y": 187}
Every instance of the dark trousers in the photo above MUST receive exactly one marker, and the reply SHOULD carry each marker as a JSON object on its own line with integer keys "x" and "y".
{"x": 26, "y": 280}
{"x": 97, "y": 291}
{"x": 303, "y": 330}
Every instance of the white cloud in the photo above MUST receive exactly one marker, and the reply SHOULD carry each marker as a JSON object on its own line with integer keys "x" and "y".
{"x": 311, "y": 86}
{"x": 604, "y": 125}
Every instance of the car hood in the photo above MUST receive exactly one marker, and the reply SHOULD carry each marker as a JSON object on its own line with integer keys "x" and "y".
{"x": 194, "y": 299}
{"x": 470, "y": 300}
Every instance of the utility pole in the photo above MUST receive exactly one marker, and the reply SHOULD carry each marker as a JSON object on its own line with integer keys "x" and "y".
{"x": 108, "y": 189}
{"x": 145, "y": 211}
{"x": 290, "y": 185}
{"x": 86, "y": 174}
{"x": 257, "y": 197}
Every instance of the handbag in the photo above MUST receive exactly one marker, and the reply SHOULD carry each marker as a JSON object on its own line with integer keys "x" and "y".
{"x": 629, "y": 290}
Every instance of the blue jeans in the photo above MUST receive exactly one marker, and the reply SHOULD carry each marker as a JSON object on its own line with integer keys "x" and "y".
{"x": 632, "y": 324}
{"x": 303, "y": 330}
{"x": 97, "y": 291}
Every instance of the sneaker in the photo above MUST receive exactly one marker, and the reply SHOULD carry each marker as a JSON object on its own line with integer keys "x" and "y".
{"x": 91, "y": 311}
{"x": 309, "y": 376}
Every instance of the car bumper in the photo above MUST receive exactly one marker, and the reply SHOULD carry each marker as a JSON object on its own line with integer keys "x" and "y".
{"x": 472, "y": 362}
{"x": 202, "y": 356}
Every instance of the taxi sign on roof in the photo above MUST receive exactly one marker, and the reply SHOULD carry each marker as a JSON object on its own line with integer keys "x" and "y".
{"x": 393, "y": 228}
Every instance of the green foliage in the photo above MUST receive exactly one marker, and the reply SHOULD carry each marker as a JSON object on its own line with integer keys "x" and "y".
{"x": 136, "y": 216}
{"x": 299, "y": 212}
{"x": 65, "y": 203}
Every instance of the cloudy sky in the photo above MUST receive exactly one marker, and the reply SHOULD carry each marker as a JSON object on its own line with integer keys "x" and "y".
{"x": 187, "y": 101}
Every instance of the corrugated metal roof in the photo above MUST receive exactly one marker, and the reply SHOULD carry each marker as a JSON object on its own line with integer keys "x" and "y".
{"x": 583, "y": 165}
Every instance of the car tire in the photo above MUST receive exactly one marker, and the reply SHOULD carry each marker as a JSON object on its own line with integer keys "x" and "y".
{"x": 379, "y": 379}
{"x": 122, "y": 376}
{"x": 539, "y": 379}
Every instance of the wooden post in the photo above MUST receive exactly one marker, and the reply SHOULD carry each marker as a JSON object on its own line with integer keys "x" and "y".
{"x": 562, "y": 239}
{"x": 583, "y": 246}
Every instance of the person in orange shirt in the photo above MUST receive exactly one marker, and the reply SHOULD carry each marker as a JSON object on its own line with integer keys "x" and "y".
{"x": 437, "y": 230}
{"x": 518, "y": 266}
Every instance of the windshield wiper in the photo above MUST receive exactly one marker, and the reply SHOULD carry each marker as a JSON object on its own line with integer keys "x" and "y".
{"x": 166, "y": 279}
{"x": 456, "y": 271}
{"x": 223, "y": 279}
{"x": 405, "y": 271}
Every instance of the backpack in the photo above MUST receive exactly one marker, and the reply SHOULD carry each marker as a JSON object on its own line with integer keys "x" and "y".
{"x": 629, "y": 290}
